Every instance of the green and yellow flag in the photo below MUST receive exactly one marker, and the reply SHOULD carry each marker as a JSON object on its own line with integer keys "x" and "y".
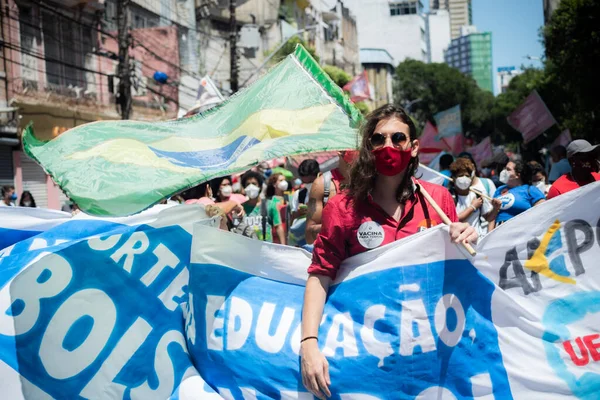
{"x": 116, "y": 168}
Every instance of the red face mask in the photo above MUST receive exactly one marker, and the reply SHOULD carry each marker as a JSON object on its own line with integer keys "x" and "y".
{"x": 390, "y": 161}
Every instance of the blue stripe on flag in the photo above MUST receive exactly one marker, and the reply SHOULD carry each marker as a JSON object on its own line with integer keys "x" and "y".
{"x": 209, "y": 159}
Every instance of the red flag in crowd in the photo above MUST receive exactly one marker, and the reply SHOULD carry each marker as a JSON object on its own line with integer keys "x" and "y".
{"x": 358, "y": 88}
{"x": 563, "y": 139}
{"x": 532, "y": 117}
{"x": 482, "y": 151}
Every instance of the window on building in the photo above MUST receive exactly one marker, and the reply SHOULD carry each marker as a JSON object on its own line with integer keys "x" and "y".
{"x": 142, "y": 18}
{"x": 27, "y": 28}
{"x": 67, "y": 44}
{"x": 403, "y": 8}
{"x": 184, "y": 55}
{"x": 110, "y": 15}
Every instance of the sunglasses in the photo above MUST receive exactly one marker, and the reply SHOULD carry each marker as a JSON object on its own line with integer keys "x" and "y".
{"x": 378, "y": 140}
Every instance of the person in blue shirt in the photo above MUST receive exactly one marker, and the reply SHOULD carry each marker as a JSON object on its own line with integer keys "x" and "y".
{"x": 560, "y": 164}
{"x": 445, "y": 161}
{"x": 517, "y": 194}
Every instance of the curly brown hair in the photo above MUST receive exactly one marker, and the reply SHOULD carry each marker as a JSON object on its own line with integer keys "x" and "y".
{"x": 364, "y": 174}
{"x": 462, "y": 165}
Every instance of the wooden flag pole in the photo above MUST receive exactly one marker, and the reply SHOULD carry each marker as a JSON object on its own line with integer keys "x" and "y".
{"x": 443, "y": 216}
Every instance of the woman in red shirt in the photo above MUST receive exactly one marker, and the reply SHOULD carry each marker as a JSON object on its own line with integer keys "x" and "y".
{"x": 382, "y": 204}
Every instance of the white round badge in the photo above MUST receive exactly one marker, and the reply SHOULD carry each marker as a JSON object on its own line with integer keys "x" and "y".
{"x": 507, "y": 200}
{"x": 370, "y": 234}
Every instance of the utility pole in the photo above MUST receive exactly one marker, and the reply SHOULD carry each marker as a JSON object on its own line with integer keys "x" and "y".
{"x": 124, "y": 73}
{"x": 233, "y": 58}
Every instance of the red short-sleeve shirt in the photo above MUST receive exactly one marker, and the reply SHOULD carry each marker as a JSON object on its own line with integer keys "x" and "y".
{"x": 565, "y": 184}
{"x": 349, "y": 228}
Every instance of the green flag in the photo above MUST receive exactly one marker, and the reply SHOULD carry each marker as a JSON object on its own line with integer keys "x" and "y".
{"x": 116, "y": 168}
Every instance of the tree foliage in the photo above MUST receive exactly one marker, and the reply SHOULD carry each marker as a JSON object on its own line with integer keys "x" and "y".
{"x": 430, "y": 88}
{"x": 338, "y": 75}
{"x": 572, "y": 41}
{"x": 290, "y": 46}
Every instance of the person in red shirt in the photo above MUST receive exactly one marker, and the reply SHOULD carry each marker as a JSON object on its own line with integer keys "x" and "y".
{"x": 583, "y": 158}
{"x": 382, "y": 204}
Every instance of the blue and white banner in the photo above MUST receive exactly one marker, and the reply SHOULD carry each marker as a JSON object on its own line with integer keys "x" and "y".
{"x": 114, "y": 309}
{"x": 20, "y": 223}
{"x": 416, "y": 319}
{"x": 92, "y": 309}
{"x": 448, "y": 122}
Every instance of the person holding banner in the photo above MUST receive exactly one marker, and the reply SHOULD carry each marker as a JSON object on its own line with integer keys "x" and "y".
{"x": 383, "y": 203}
{"x": 471, "y": 207}
{"x": 585, "y": 168}
{"x": 518, "y": 193}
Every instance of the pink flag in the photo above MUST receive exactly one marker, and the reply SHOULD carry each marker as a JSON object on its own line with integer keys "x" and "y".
{"x": 563, "y": 139}
{"x": 532, "y": 117}
{"x": 428, "y": 142}
{"x": 431, "y": 142}
{"x": 358, "y": 88}
{"x": 482, "y": 151}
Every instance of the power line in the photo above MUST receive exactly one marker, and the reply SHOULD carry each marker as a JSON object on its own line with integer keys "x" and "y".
{"x": 194, "y": 90}
{"x": 53, "y": 60}
{"x": 44, "y": 71}
{"x": 46, "y": 34}
{"x": 55, "y": 11}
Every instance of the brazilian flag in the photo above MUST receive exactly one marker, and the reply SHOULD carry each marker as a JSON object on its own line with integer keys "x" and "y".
{"x": 117, "y": 168}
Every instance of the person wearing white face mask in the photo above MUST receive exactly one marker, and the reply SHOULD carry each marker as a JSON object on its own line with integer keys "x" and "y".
{"x": 261, "y": 215}
{"x": 308, "y": 171}
{"x": 539, "y": 179}
{"x": 222, "y": 188}
{"x": 471, "y": 207}
{"x": 277, "y": 187}
{"x": 517, "y": 194}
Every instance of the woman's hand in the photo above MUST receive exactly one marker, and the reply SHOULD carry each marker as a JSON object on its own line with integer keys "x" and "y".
{"x": 239, "y": 211}
{"x": 461, "y": 232}
{"x": 315, "y": 369}
{"x": 477, "y": 202}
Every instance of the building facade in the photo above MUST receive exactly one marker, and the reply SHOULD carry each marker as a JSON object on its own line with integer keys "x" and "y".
{"x": 59, "y": 71}
{"x": 379, "y": 65}
{"x": 472, "y": 55}
{"x": 399, "y": 27}
{"x": 263, "y": 25}
{"x": 503, "y": 77}
{"x": 438, "y": 29}
{"x": 461, "y": 13}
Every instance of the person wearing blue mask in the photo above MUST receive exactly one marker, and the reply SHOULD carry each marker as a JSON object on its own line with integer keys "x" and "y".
{"x": 518, "y": 193}
{"x": 8, "y": 196}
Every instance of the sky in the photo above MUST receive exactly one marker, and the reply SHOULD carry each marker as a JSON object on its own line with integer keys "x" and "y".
{"x": 515, "y": 28}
